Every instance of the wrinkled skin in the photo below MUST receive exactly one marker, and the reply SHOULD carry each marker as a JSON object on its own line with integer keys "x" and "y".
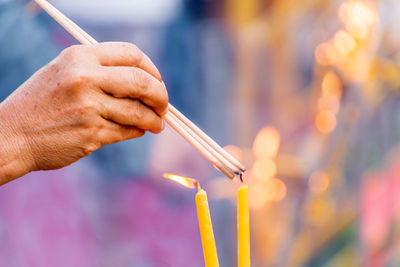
{"x": 87, "y": 97}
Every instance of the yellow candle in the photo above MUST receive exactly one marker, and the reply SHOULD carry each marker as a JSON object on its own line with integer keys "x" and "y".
{"x": 206, "y": 230}
{"x": 243, "y": 227}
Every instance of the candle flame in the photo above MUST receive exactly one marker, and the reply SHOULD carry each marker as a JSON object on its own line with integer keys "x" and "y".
{"x": 185, "y": 181}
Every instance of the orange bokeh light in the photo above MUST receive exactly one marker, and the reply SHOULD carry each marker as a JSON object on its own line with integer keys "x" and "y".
{"x": 257, "y": 197}
{"x": 272, "y": 190}
{"x": 325, "y": 121}
{"x": 318, "y": 182}
{"x": 279, "y": 190}
{"x": 332, "y": 54}
{"x": 264, "y": 168}
{"x": 331, "y": 84}
{"x": 275, "y": 189}
{"x": 329, "y": 103}
{"x": 185, "y": 181}
{"x": 267, "y": 143}
{"x": 321, "y": 54}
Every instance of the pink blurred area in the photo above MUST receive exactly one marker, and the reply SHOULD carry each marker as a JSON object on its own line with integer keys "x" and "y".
{"x": 380, "y": 214}
{"x": 63, "y": 218}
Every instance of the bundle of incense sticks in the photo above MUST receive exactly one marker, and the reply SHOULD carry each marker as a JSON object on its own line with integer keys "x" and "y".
{"x": 219, "y": 157}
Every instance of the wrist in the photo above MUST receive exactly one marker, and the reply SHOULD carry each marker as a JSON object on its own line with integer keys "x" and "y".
{"x": 14, "y": 159}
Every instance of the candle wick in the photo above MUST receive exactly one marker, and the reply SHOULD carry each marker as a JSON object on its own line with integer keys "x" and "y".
{"x": 241, "y": 177}
{"x": 196, "y": 183}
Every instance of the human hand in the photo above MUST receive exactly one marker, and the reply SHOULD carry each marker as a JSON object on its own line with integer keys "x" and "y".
{"x": 87, "y": 97}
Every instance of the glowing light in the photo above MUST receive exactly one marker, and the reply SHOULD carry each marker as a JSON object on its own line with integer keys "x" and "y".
{"x": 235, "y": 151}
{"x": 325, "y": 121}
{"x": 358, "y": 18}
{"x": 359, "y": 10}
{"x": 272, "y": 190}
{"x": 329, "y": 103}
{"x": 331, "y": 84}
{"x": 278, "y": 190}
{"x": 321, "y": 54}
{"x": 357, "y": 28}
{"x": 257, "y": 197}
{"x": 320, "y": 210}
{"x": 318, "y": 182}
{"x": 344, "y": 42}
{"x": 267, "y": 142}
{"x": 185, "y": 181}
{"x": 264, "y": 168}
{"x": 332, "y": 54}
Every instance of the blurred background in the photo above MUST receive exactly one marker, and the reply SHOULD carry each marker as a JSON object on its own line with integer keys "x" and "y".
{"x": 305, "y": 93}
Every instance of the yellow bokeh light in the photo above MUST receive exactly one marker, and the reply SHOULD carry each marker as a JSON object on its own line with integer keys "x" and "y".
{"x": 331, "y": 84}
{"x": 325, "y": 121}
{"x": 264, "y": 168}
{"x": 320, "y": 210}
{"x": 358, "y": 17}
{"x": 344, "y": 42}
{"x": 329, "y": 102}
{"x": 360, "y": 10}
{"x": 267, "y": 143}
{"x": 357, "y": 28}
{"x": 318, "y": 182}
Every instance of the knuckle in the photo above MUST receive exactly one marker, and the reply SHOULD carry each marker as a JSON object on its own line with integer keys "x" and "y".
{"x": 158, "y": 127}
{"x": 135, "y": 54}
{"x": 140, "y": 81}
{"x": 139, "y": 132}
{"x": 93, "y": 133}
{"x": 137, "y": 111}
{"x": 90, "y": 147}
{"x": 78, "y": 76}
{"x": 71, "y": 52}
{"x": 86, "y": 108}
{"x": 130, "y": 46}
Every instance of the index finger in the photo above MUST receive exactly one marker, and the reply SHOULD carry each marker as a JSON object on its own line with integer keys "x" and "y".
{"x": 125, "y": 54}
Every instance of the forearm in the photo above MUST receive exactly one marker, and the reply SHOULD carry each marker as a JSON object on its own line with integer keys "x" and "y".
{"x": 13, "y": 149}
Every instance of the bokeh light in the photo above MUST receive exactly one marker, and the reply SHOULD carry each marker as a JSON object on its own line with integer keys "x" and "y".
{"x": 318, "y": 182}
{"x": 267, "y": 143}
{"x": 331, "y": 84}
{"x": 320, "y": 210}
{"x": 278, "y": 190}
{"x": 325, "y": 121}
{"x": 321, "y": 54}
{"x": 358, "y": 18}
{"x": 264, "y": 168}
{"x": 344, "y": 42}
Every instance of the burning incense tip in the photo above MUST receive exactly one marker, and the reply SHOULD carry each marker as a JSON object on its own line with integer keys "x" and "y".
{"x": 185, "y": 181}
